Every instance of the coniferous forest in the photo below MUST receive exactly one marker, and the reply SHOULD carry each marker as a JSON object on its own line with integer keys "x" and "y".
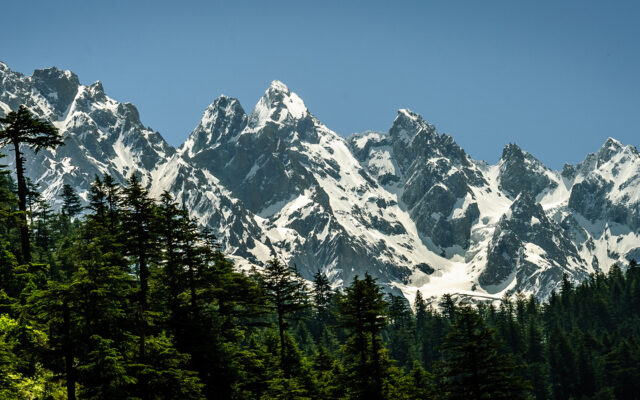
{"x": 129, "y": 298}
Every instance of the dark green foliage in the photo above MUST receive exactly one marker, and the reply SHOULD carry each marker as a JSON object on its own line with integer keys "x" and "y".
{"x": 285, "y": 291}
{"x": 418, "y": 384}
{"x": 18, "y": 128}
{"x": 132, "y": 300}
{"x": 322, "y": 299}
{"x": 70, "y": 201}
{"x": 363, "y": 314}
{"x": 473, "y": 367}
{"x": 401, "y": 332}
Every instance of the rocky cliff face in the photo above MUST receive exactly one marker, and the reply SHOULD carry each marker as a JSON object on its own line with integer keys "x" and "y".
{"x": 102, "y": 136}
{"x": 431, "y": 175}
{"x": 522, "y": 172}
{"x": 409, "y": 206}
{"x": 540, "y": 247}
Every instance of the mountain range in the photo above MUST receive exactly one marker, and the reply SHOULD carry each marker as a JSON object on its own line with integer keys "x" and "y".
{"x": 409, "y": 206}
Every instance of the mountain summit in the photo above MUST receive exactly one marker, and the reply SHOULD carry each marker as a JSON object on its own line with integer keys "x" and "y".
{"x": 278, "y": 105}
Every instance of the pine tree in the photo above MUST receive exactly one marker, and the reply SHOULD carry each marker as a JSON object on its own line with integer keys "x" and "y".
{"x": 621, "y": 369}
{"x": 33, "y": 198}
{"x": 401, "y": 332}
{"x": 8, "y": 221}
{"x": 286, "y": 293}
{"x": 139, "y": 217}
{"x": 536, "y": 361}
{"x": 420, "y": 307}
{"x": 324, "y": 366}
{"x": 173, "y": 281}
{"x": 43, "y": 230}
{"x": 448, "y": 306}
{"x": 98, "y": 201}
{"x": 21, "y": 127}
{"x": 418, "y": 384}
{"x": 562, "y": 366}
{"x": 473, "y": 367}
{"x": 322, "y": 294}
{"x": 322, "y": 300}
{"x": 363, "y": 313}
{"x": 113, "y": 201}
{"x": 70, "y": 201}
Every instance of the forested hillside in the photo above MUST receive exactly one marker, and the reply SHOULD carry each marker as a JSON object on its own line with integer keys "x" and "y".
{"x": 130, "y": 299}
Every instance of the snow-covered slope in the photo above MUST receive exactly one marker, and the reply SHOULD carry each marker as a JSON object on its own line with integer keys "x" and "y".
{"x": 316, "y": 204}
{"x": 516, "y": 225}
{"x": 102, "y": 136}
{"x": 409, "y": 206}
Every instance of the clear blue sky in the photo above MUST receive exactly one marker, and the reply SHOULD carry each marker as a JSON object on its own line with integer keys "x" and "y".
{"x": 556, "y": 77}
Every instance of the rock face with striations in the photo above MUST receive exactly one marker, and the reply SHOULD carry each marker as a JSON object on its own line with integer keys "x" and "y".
{"x": 101, "y": 135}
{"x": 542, "y": 250}
{"x": 606, "y": 185}
{"x": 301, "y": 182}
{"x": 431, "y": 174}
{"x": 408, "y": 206}
{"x": 522, "y": 172}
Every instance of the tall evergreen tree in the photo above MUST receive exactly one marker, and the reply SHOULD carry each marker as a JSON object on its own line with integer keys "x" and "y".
{"x": 287, "y": 295}
{"x": 21, "y": 127}
{"x": 139, "y": 217}
{"x": 401, "y": 332}
{"x": 448, "y": 306}
{"x": 70, "y": 201}
{"x": 562, "y": 367}
{"x": 323, "y": 296}
{"x": 473, "y": 367}
{"x": 363, "y": 313}
{"x": 536, "y": 361}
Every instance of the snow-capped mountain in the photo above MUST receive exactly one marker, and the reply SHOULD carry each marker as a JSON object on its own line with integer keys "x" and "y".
{"x": 409, "y": 206}
{"x": 102, "y": 136}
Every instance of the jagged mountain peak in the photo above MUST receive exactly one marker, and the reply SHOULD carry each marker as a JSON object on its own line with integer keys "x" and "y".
{"x": 612, "y": 142}
{"x": 57, "y": 86}
{"x": 223, "y": 106}
{"x": 96, "y": 92}
{"x": 514, "y": 153}
{"x": 407, "y": 113}
{"x": 222, "y": 120}
{"x": 606, "y": 185}
{"x": 55, "y": 74}
{"x": 511, "y": 150}
{"x": 520, "y": 171}
{"x": 530, "y": 250}
{"x": 278, "y": 105}
{"x": 97, "y": 86}
{"x": 610, "y": 148}
{"x": 408, "y": 125}
{"x": 223, "y": 102}
{"x": 279, "y": 86}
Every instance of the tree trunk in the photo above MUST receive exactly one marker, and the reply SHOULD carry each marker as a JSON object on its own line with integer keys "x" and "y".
{"x": 477, "y": 390}
{"x": 143, "y": 331}
{"x": 22, "y": 205}
{"x": 144, "y": 288}
{"x": 281, "y": 330}
{"x": 376, "y": 362}
{"x": 68, "y": 352}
